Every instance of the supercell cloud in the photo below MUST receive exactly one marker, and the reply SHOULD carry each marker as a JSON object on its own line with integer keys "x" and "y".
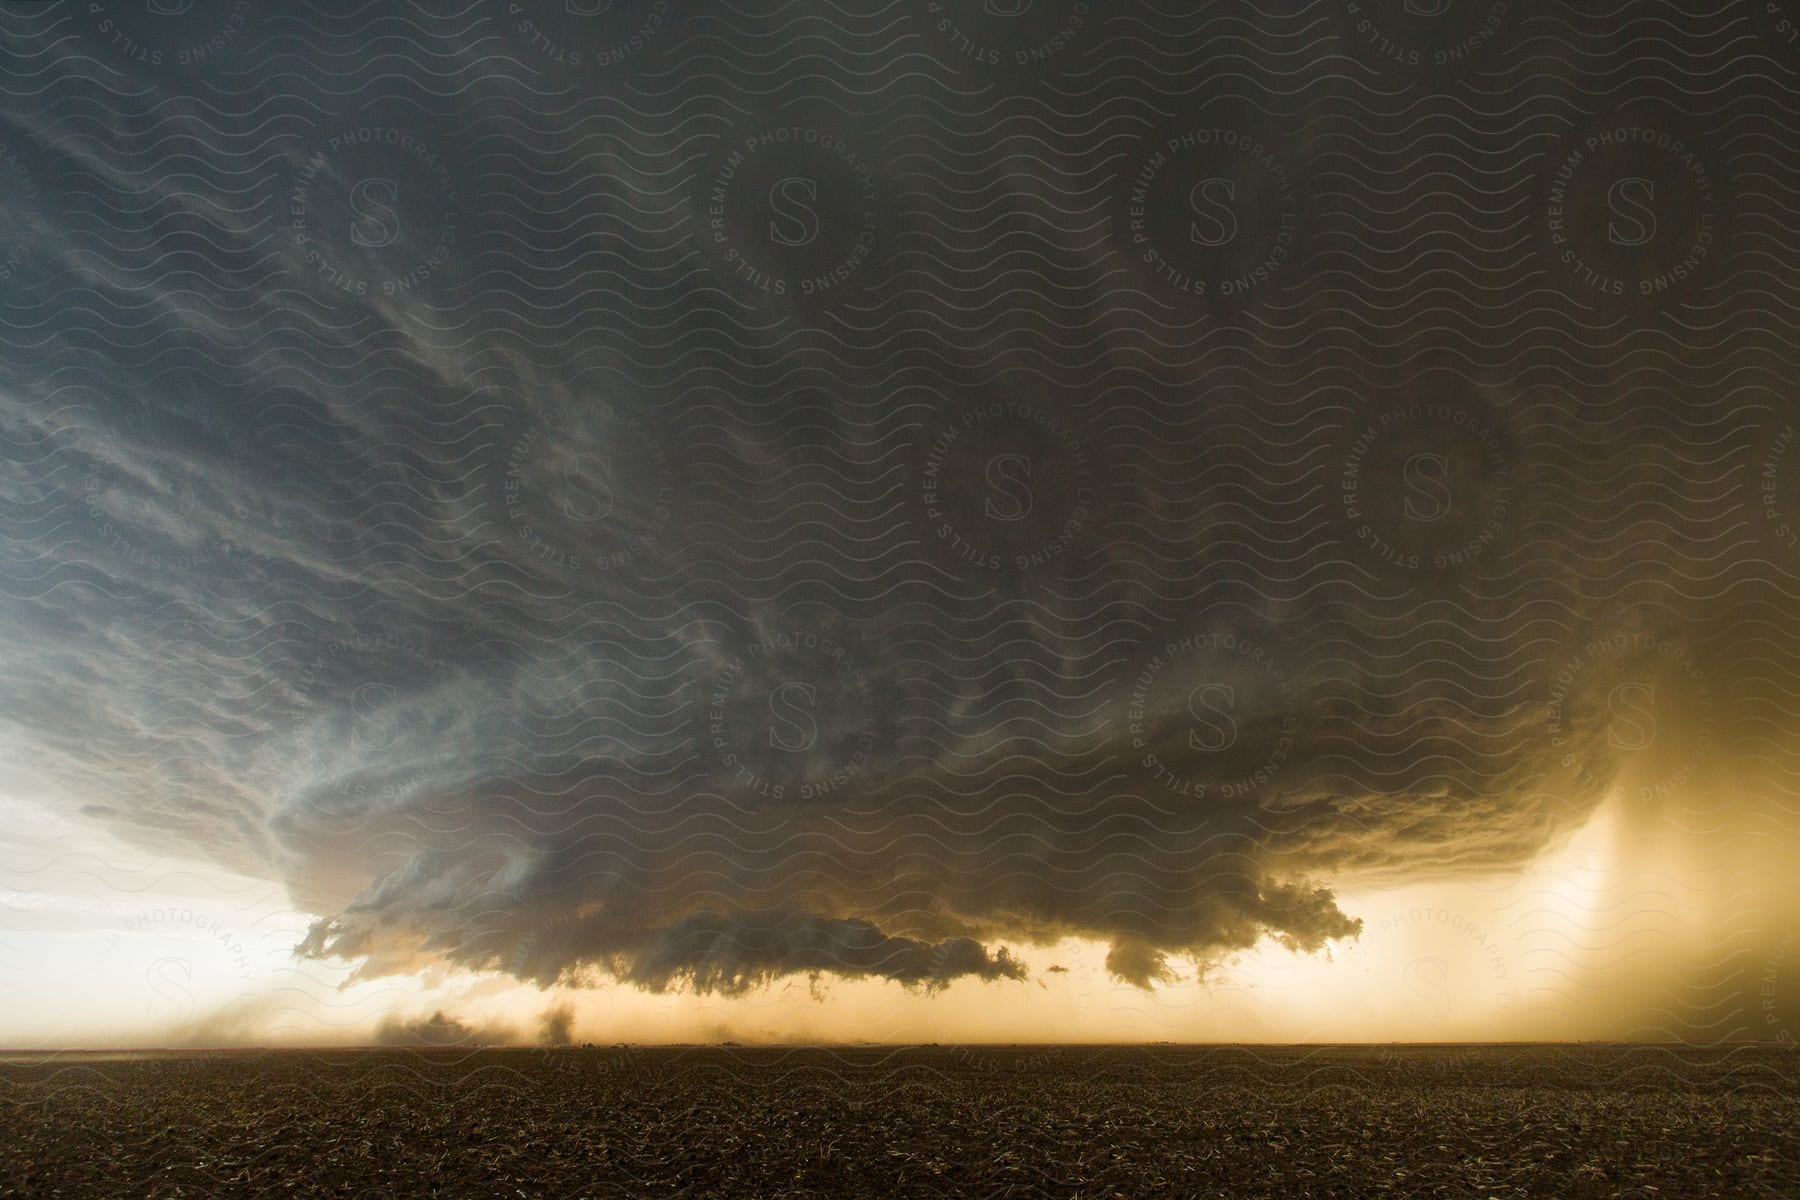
{"x": 689, "y": 499}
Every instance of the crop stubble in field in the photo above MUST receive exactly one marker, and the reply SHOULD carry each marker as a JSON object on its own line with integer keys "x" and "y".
{"x": 1299, "y": 1123}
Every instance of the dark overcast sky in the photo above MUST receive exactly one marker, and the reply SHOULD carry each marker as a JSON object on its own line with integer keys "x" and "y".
{"x": 705, "y": 493}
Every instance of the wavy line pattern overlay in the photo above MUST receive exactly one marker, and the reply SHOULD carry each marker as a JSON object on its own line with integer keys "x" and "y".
{"x": 1265, "y": 521}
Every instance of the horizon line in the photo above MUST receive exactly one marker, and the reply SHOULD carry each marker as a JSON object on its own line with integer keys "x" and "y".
{"x": 1771, "y": 1043}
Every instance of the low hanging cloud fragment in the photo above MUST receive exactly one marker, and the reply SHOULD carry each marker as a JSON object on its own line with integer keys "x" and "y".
{"x": 440, "y": 1029}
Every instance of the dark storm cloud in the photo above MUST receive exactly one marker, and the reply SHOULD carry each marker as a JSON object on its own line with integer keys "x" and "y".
{"x": 643, "y": 525}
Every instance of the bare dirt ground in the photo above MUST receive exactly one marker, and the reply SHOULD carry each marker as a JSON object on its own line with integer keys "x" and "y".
{"x": 1301, "y": 1123}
